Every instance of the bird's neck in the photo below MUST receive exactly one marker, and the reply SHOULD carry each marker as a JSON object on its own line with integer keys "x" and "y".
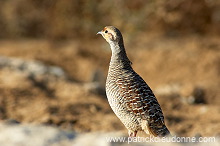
{"x": 119, "y": 55}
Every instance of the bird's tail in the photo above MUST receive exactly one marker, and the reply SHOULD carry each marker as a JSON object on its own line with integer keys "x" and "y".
{"x": 160, "y": 131}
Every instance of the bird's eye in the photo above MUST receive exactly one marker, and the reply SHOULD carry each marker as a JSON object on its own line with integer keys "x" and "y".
{"x": 106, "y": 31}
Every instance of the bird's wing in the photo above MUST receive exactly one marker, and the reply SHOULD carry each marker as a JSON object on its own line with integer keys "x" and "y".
{"x": 141, "y": 101}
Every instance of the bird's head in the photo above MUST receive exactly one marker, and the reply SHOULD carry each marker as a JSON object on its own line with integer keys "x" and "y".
{"x": 111, "y": 34}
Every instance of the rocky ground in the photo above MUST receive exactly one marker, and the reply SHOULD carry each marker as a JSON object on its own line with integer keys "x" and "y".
{"x": 38, "y": 135}
{"x": 62, "y": 83}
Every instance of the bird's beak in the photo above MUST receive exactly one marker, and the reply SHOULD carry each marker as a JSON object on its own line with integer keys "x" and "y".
{"x": 100, "y": 32}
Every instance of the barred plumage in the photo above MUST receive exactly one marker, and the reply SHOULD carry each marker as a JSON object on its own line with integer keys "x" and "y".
{"x": 129, "y": 96}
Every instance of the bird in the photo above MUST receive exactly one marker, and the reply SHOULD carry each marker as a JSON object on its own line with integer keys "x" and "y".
{"x": 129, "y": 96}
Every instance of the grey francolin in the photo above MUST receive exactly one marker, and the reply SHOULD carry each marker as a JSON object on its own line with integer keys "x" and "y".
{"x": 129, "y": 96}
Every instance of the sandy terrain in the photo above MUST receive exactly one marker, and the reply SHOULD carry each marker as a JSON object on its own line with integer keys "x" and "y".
{"x": 183, "y": 73}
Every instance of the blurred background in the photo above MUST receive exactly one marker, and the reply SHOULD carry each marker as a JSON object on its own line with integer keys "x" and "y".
{"x": 53, "y": 66}
{"x": 82, "y": 18}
